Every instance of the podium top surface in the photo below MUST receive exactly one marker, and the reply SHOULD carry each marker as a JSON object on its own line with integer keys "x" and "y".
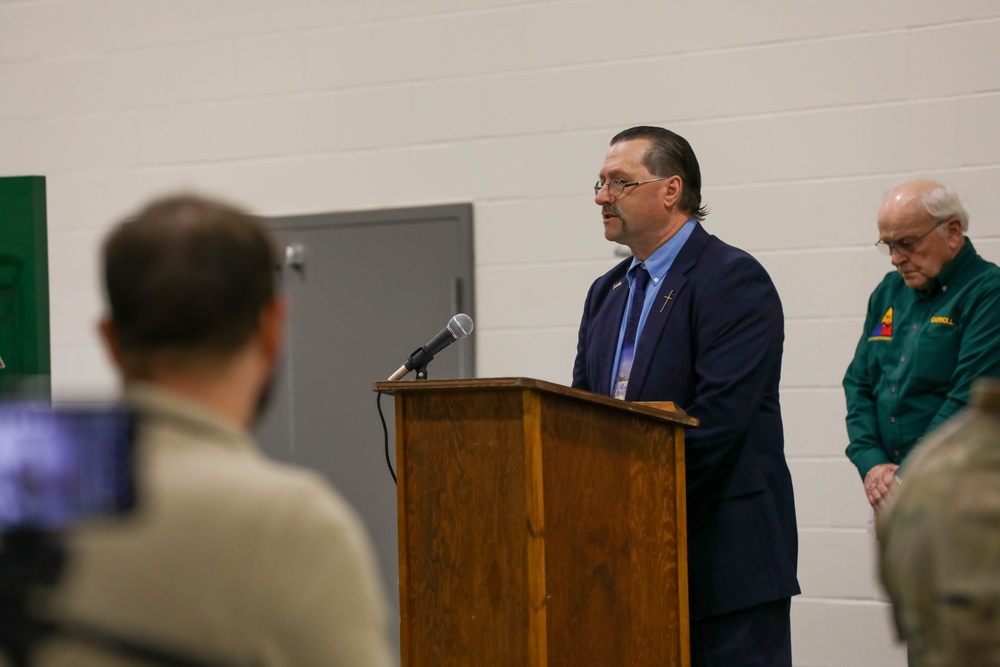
{"x": 667, "y": 413}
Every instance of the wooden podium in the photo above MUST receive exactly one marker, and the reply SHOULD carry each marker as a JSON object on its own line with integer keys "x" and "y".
{"x": 539, "y": 525}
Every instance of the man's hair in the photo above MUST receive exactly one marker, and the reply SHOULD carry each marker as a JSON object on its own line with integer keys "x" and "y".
{"x": 188, "y": 273}
{"x": 942, "y": 203}
{"x": 670, "y": 155}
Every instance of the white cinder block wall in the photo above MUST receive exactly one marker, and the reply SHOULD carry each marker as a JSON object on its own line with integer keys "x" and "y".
{"x": 802, "y": 114}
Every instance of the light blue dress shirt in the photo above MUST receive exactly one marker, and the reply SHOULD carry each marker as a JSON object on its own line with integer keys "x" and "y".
{"x": 657, "y": 264}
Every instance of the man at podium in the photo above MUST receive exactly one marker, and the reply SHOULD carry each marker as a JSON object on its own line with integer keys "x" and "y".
{"x": 692, "y": 320}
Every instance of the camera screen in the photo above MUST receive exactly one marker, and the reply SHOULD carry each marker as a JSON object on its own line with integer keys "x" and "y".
{"x": 60, "y": 465}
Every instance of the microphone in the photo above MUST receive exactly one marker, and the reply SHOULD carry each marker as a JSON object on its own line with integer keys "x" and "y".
{"x": 458, "y": 328}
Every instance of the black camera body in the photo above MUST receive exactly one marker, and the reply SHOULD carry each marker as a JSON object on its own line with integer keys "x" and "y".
{"x": 58, "y": 467}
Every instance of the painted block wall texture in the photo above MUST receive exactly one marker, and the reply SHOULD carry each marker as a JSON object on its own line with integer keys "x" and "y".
{"x": 802, "y": 115}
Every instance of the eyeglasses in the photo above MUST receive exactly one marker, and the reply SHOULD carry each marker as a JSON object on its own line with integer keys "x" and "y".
{"x": 617, "y": 186}
{"x": 905, "y": 247}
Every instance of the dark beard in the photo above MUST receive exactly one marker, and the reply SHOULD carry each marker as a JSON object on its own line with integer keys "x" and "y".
{"x": 264, "y": 397}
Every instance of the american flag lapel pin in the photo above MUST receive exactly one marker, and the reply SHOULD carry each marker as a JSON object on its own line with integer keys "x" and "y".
{"x": 617, "y": 285}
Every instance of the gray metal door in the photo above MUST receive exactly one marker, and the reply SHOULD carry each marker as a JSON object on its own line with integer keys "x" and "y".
{"x": 365, "y": 290}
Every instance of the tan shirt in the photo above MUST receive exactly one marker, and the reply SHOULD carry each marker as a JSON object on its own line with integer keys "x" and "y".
{"x": 229, "y": 556}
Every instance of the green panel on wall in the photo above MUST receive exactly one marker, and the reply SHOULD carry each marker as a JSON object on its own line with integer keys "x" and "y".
{"x": 24, "y": 288}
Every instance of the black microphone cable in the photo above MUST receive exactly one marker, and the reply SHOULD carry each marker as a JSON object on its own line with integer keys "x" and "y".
{"x": 385, "y": 435}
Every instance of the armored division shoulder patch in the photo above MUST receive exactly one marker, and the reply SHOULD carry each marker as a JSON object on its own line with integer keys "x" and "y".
{"x": 884, "y": 329}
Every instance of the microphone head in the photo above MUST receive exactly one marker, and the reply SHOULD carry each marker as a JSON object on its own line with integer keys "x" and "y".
{"x": 460, "y": 326}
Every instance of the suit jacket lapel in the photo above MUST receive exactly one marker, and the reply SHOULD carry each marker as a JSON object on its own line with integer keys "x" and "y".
{"x": 659, "y": 313}
{"x": 608, "y": 328}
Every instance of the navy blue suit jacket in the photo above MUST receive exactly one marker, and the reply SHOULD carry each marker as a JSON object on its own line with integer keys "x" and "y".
{"x": 712, "y": 344}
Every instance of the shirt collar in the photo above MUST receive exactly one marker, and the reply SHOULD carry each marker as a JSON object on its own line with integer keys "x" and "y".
{"x": 947, "y": 273}
{"x": 155, "y": 404}
{"x": 663, "y": 257}
{"x": 962, "y": 259}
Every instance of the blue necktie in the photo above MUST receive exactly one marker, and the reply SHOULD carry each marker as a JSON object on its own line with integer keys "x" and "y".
{"x": 631, "y": 329}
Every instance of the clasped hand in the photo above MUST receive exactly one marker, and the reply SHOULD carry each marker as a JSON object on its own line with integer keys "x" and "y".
{"x": 880, "y": 482}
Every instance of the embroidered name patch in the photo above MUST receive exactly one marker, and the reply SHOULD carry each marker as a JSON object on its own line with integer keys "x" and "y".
{"x": 943, "y": 320}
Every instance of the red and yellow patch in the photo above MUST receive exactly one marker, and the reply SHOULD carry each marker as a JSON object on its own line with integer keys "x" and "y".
{"x": 884, "y": 329}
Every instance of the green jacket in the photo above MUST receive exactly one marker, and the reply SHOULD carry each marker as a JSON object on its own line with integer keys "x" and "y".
{"x": 917, "y": 357}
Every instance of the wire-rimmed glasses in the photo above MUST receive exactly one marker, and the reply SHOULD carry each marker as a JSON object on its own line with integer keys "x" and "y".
{"x": 905, "y": 247}
{"x": 616, "y": 186}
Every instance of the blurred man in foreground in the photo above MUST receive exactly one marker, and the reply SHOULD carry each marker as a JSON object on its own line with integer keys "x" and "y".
{"x": 939, "y": 540}
{"x": 229, "y": 557}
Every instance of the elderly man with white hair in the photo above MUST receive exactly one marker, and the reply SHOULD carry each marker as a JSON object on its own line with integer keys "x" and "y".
{"x": 933, "y": 326}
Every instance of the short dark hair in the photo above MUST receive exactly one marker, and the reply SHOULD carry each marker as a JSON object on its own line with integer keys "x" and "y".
{"x": 188, "y": 273}
{"x": 670, "y": 155}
